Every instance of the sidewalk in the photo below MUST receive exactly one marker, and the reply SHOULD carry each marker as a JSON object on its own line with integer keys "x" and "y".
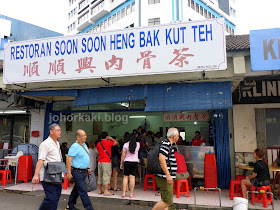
{"x": 204, "y": 198}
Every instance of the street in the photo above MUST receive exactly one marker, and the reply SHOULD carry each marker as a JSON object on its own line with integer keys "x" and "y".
{"x": 32, "y": 200}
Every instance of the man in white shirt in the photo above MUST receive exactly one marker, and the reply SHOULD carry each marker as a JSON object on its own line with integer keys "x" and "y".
{"x": 49, "y": 151}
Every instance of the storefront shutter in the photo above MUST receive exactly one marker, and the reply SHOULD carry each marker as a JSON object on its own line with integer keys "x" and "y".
{"x": 189, "y": 96}
{"x": 109, "y": 95}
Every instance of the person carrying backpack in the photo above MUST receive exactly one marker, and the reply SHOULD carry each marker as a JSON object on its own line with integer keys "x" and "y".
{"x": 168, "y": 164}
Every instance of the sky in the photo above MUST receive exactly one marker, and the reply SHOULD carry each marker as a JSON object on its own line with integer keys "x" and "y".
{"x": 52, "y": 14}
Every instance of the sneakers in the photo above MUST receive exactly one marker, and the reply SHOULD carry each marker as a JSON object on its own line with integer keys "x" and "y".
{"x": 70, "y": 208}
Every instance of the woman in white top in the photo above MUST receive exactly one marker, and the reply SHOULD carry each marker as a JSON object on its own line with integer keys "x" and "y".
{"x": 130, "y": 160}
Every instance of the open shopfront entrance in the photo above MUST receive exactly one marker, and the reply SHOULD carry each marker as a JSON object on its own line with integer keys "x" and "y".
{"x": 190, "y": 107}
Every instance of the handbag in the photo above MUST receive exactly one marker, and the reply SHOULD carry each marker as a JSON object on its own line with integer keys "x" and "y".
{"x": 90, "y": 182}
{"x": 53, "y": 172}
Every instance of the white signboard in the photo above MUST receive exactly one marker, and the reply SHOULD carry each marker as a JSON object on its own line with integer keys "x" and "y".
{"x": 173, "y": 48}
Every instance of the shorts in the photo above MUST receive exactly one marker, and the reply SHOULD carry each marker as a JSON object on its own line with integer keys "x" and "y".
{"x": 130, "y": 168}
{"x": 180, "y": 176}
{"x": 104, "y": 173}
{"x": 259, "y": 183}
{"x": 115, "y": 163}
{"x": 165, "y": 189}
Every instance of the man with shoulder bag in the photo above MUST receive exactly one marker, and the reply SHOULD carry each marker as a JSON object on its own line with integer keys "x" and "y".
{"x": 51, "y": 173}
{"x": 77, "y": 163}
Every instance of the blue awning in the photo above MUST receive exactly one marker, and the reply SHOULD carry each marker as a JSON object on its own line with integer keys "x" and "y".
{"x": 109, "y": 95}
{"x": 189, "y": 96}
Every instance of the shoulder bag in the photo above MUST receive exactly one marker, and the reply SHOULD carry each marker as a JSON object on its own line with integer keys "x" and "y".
{"x": 90, "y": 180}
{"x": 53, "y": 171}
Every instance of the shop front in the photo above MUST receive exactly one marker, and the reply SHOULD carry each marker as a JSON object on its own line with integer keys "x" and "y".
{"x": 154, "y": 77}
{"x": 256, "y": 104}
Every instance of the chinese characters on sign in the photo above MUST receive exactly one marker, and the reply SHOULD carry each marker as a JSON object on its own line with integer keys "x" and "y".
{"x": 56, "y": 68}
{"x": 31, "y": 69}
{"x": 162, "y": 49}
{"x": 192, "y": 116}
{"x": 85, "y": 63}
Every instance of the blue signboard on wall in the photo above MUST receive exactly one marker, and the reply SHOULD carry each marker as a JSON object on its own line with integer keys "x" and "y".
{"x": 265, "y": 49}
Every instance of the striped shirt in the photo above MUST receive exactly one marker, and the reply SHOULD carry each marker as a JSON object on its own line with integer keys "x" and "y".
{"x": 165, "y": 149}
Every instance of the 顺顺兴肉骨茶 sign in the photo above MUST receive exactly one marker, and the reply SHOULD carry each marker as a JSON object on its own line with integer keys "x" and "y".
{"x": 163, "y": 49}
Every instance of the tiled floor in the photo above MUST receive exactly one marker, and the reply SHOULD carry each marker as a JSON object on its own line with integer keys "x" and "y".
{"x": 209, "y": 198}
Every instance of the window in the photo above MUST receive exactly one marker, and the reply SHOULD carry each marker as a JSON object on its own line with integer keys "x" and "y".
{"x": 208, "y": 15}
{"x": 105, "y": 23}
{"x": 114, "y": 19}
{"x": 153, "y": 1}
{"x": 68, "y": 15}
{"x": 118, "y": 16}
{"x": 74, "y": 25}
{"x": 109, "y": 21}
{"x": 197, "y": 8}
{"x": 83, "y": 18}
{"x": 97, "y": 7}
{"x": 101, "y": 26}
{"x": 205, "y": 13}
{"x": 68, "y": 29}
{"x": 69, "y": 4}
{"x": 154, "y": 21}
{"x": 213, "y": 16}
{"x": 189, "y": 3}
{"x": 133, "y": 7}
{"x": 128, "y": 10}
{"x": 123, "y": 13}
{"x": 192, "y": 4}
{"x": 201, "y": 10}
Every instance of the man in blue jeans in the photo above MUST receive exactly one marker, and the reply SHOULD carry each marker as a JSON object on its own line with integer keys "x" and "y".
{"x": 49, "y": 151}
{"x": 77, "y": 164}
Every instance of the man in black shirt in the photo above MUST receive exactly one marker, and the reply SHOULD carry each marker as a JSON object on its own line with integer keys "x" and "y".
{"x": 168, "y": 164}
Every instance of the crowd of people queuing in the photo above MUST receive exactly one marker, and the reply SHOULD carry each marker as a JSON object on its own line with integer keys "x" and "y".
{"x": 107, "y": 157}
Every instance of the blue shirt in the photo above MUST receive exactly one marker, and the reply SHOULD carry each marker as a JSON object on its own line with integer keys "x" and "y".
{"x": 80, "y": 156}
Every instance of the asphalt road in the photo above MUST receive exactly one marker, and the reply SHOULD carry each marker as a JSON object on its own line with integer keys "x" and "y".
{"x": 32, "y": 200}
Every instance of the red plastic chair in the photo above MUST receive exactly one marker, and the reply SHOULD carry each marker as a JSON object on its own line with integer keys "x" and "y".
{"x": 4, "y": 179}
{"x": 262, "y": 198}
{"x": 179, "y": 189}
{"x": 146, "y": 182}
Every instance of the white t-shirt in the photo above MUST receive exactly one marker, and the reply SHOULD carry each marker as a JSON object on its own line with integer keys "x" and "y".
{"x": 49, "y": 152}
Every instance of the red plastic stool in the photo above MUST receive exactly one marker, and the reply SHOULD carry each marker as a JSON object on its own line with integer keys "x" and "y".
{"x": 65, "y": 183}
{"x": 4, "y": 179}
{"x": 240, "y": 177}
{"x": 146, "y": 183}
{"x": 238, "y": 188}
{"x": 262, "y": 198}
{"x": 178, "y": 189}
{"x": 232, "y": 192}
{"x": 190, "y": 183}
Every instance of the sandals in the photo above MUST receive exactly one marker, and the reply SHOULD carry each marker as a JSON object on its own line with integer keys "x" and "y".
{"x": 118, "y": 189}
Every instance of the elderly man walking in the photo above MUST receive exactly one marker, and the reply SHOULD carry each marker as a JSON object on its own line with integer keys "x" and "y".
{"x": 49, "y": 151}
{"x": 77, "y": 164}
{"x": 168, "y": 164}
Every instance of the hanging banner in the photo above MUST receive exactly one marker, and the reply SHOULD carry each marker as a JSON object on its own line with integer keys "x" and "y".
{"x": 173, "y": 48}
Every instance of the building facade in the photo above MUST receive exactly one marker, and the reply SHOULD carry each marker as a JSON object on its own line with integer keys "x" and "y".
{"x": 15, "y": 110}
{"x": 94, "y": 16}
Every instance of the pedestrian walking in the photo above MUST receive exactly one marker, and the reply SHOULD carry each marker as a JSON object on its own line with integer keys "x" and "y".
{"x": 77, "y": 164}
{"x": 168, "y": 164}
{"x": 49, "y": 151}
